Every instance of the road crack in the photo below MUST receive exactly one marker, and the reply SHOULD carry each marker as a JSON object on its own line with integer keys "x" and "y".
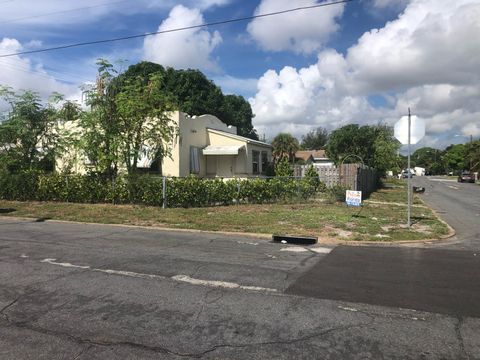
{"x": 458, "y": 332}
{"x": 2, "y": 311}
{"x": 165, "y": 350}
{"x": 83, "y": 351}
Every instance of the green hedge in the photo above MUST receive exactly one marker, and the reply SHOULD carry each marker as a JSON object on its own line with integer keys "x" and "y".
{"x": 148, "y": 189}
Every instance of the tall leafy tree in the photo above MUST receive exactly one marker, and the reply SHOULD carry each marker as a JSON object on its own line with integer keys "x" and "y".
{"x": 192, "y": 92}
{"x": 144, "y": 126}
{"x": 473, "y": 154}
{"x": 429, "y": 158}
{"x": 385, "y": 149}
{"x": 100, "y": 125}
{"x": 314, "y": 139}
{"x": 375, "y": 145}
{"x": 30, "y": 137}
{"x": 455, "y": 158}
{"x": 127, "y": 119}
{"x": 236, "y": 111}
{"x": 284, "y": 146}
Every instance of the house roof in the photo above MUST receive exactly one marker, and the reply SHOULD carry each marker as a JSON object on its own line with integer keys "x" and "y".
{"x": 238, "y": 137}
{"x": 222, "y": 150}
{"x": 314, "y": 154}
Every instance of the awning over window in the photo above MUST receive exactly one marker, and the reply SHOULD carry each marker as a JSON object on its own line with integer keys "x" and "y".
{"x": 222, "y": 150}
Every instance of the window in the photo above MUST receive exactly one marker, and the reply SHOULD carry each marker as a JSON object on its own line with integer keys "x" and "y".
{"x": 264, "y": 162}
{"x": 255, "y": 161}
{"x": 194, "y": 160}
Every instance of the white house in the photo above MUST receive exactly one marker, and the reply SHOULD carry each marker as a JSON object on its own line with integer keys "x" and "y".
{"x": 207, "y": 147}
{"x": 203, "y": 145}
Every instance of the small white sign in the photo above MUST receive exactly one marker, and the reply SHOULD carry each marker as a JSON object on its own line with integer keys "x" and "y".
{"x": 353, "y": 198}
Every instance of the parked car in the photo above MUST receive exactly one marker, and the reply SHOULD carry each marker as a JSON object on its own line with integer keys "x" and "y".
{"x": 466, "y": 176}
{"x": 407, "y": 174}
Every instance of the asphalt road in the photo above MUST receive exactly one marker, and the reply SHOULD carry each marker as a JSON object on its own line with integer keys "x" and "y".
{"x": 70, "y": 291}
{"x": 459, "y": 205}
{"x": 434, "y": 280}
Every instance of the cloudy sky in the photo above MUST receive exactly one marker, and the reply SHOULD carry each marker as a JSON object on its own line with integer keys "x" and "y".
{"x": 365, "y": 61}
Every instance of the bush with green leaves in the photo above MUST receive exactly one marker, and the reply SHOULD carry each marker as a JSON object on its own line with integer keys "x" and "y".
{"x": 311, "y": 176}
{"x": 283, "y": 168}
{"x": 148, "y": 189}
{"x": 337, "y": 193}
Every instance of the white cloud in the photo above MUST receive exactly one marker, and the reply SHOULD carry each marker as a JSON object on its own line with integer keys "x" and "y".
{"x": 427, "y": 59}
{"x": 20, "y": 73}
{"x": 184, "y": 49}
{"x": 297, "y": 100}
{"x": 432, "y": 42}
{"x": 382, "y": 4}
{"x": 303, "y": 31}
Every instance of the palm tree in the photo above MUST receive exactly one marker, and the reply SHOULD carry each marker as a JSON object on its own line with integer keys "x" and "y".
{"x": 284, "y": 145}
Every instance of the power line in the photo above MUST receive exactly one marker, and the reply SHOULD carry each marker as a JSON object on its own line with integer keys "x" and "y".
{"x": 47, "y": 73}
{"x": 222, "y": 22}
{"x": 61, "y": 12}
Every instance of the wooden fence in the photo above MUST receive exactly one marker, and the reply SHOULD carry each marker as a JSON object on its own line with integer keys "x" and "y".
{"x": 352, "y": 176}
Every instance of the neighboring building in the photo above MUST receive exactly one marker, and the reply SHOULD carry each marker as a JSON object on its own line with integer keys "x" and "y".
{"x": 313, "y": 157}
{"x": 419, "y": 171}
{"x": 204, "y": 146}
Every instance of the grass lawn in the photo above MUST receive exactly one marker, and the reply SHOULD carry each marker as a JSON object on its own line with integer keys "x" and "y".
{"x": 374, "y": 222}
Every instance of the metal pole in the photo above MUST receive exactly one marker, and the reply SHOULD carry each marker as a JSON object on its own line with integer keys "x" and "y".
{"x": 409, "y": 175}
{"x": 164, "y": 190}
{"x": 113, "y": 191}
{"x": 471, "y": 141}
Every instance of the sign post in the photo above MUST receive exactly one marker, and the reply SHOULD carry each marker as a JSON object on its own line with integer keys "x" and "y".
{"x": 409, "y": 130}
{"x": 409, "y": 174}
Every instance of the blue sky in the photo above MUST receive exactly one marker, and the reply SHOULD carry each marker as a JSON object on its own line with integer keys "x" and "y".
{"x": 363, "y": 62}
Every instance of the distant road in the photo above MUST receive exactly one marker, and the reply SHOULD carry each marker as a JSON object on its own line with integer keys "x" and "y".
{"x": 458, "y": 204}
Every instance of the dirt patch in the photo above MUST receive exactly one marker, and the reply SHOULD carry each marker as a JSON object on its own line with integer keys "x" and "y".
{"x": 333, "y": 231}
{"x": 424, "y": 229}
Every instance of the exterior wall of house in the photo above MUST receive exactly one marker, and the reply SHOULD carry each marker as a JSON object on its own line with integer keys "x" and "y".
{"x": 249, "y": 163}
{"x": 236, "y": 163}
{"x": 170, "y": 164}
{"x": 192, "y": 131}
{"x": 243, "y": 163}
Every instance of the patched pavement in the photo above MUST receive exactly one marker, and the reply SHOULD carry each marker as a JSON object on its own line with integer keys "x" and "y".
{"x": 434, "y": 280}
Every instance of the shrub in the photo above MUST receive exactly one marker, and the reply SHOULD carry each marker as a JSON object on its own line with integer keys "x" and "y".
{"x": 337, "y": 193}
{"x": 312, "y": 177}
{"x": 148, "y": 189}
{"x": 283, "y": 168}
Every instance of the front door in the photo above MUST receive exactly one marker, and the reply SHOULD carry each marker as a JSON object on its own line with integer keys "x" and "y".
{"x": 225, "y": 165}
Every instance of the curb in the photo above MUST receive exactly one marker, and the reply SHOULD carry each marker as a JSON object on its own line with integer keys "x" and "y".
{"x": 160, "y": 228}
{"x": 321, "y": 240}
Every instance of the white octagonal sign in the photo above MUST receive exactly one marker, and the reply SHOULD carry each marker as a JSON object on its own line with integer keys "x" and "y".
{"x": 417, "y": 129}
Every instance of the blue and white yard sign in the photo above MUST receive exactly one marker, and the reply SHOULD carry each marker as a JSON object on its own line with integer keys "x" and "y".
{"x": 353, "y": 198}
